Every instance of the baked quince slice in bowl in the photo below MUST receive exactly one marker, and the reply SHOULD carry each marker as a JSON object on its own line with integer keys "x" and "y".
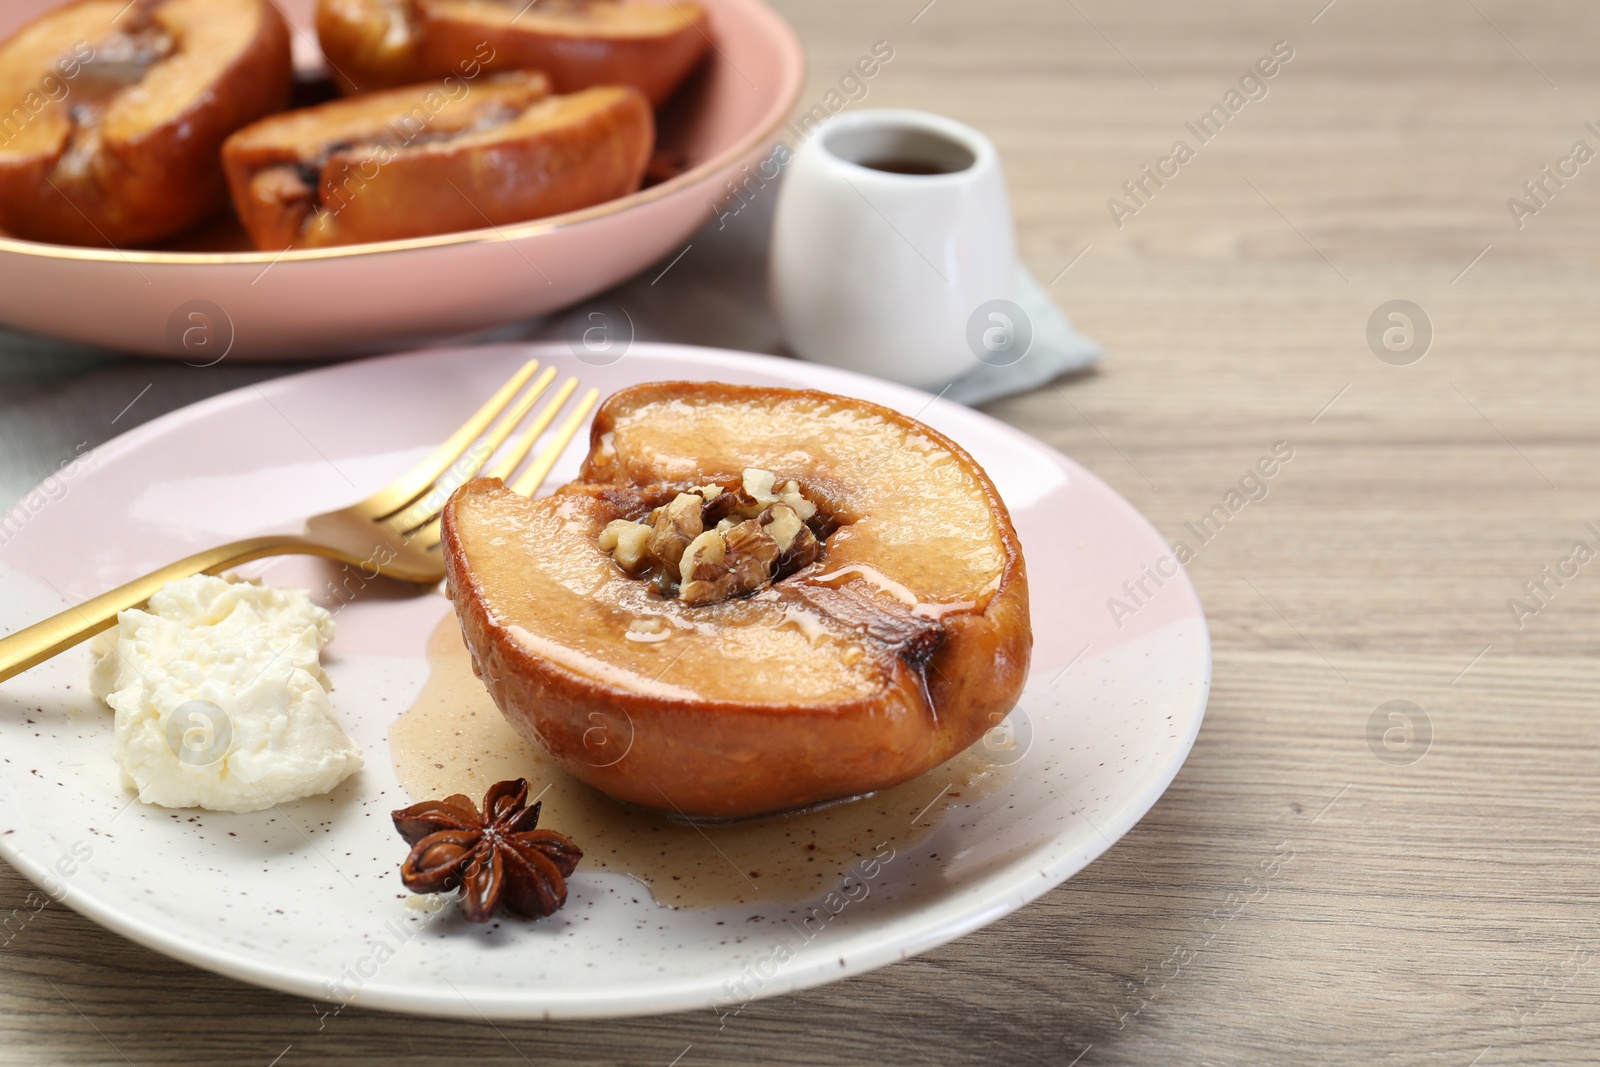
{"x": 649, "y": 44}
{"x": 753, "y": 599}
{"x": 434, "y": 158}
{"x": 117, "y": 111}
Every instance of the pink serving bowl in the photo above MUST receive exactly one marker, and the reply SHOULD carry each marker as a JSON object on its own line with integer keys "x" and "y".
{"x": 201, "y": 298}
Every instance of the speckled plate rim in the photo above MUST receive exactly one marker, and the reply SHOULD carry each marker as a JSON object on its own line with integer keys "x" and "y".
{"x": 1020, "y": 881}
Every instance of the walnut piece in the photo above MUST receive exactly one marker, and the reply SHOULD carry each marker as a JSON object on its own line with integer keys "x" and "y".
{"x": 797, "y": 546}
{"x": 703, "y": 561}
{"x": 782, "y": 524}
{"x": 675, "y": 528}
{"x": 626, "y": 541}
{"x": 758, "y": 484}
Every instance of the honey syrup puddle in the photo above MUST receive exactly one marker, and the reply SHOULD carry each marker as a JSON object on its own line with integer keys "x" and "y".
{"x": 454, "y": 740}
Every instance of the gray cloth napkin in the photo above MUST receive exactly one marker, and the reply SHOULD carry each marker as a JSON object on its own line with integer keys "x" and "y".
{"x": 1057, "y": 349}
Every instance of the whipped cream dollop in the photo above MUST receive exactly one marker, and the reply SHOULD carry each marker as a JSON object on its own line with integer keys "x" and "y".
{"x": 220, "y": 697}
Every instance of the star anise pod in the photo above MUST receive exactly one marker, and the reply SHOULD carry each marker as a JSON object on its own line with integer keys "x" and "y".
{"x": 496, "y": 856}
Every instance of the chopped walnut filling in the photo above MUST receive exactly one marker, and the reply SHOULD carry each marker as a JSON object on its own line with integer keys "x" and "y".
{"x": 713, "y": 544}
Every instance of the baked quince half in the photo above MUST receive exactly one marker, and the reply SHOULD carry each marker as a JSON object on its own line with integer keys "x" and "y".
{"x": 429, "y": 159}
{"x": 649, "y": 44}
{"x": 118, "y": 111}
{"x": 751, "y": 600}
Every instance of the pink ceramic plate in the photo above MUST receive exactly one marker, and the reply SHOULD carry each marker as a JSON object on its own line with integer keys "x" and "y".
{"x": 368, "y": 298}
{"x": 302, "y": 897}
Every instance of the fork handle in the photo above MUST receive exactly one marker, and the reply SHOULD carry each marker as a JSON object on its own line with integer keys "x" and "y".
{"x": 31, "y": 646}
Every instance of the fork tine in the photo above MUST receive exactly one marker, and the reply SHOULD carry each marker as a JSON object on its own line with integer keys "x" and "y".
{"x": 432, "y": 502}
{"x": 541, "y": 422}
{"x": 419, "y": 479}
{"x": 531, "y": 479}
{"x": 428, "y": 536}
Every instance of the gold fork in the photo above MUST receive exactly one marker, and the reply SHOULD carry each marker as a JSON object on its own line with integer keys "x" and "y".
{"x": 394, "y": 532}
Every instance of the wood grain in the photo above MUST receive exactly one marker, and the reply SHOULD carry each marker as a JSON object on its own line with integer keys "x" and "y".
{"x": 1436, "y": 913}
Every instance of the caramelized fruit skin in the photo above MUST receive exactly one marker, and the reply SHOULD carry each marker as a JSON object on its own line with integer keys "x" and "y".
{"x": 414, "y": 162}
{"x": 380, "y": 44}
{"x": 752, "y": 716}
{"x": 156, "y": 169}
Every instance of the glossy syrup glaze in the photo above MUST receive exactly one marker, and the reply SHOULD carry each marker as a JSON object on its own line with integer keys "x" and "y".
{"x": 454, "y": 740}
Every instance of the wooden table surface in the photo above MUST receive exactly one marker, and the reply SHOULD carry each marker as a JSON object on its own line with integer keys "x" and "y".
{"x": 1438, "y": 902}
